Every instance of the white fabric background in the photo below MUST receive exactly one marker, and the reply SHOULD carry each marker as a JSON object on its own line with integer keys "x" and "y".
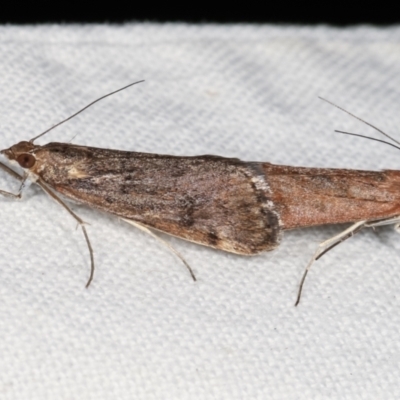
{"x": 144, "y": 330}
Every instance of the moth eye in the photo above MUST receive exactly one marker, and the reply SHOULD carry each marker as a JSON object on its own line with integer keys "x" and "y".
{"x": 26, "y": 160}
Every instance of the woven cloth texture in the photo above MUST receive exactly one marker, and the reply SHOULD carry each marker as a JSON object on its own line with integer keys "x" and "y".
{"x": 144, "y": 329}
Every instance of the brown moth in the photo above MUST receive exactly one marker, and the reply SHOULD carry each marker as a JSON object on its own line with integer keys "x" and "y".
{"x": 225, "y": 203}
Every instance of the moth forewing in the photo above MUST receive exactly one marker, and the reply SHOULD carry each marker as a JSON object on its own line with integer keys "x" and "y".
{"x": 214, "y": 201}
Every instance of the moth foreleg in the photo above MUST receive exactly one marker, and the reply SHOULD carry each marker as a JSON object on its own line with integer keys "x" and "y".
{"x": 327, "y": 245}
{"x": 15, "y": 196}
{"x": 79, "y": 221}
{"x": 15, "y": 175}
{"x": 11, "y": 172}
{"x": 165, "y": 243}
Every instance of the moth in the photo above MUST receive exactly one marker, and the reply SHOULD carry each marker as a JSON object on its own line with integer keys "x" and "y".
{"x": 224, "y": 203}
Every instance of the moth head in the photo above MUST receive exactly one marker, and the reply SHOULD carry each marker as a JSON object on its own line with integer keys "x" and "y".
{"x": 22, "y": 153}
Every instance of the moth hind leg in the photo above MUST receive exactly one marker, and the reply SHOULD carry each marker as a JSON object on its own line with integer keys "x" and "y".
{"x": 388, "y": 221}
{"x": 327, "y": 245}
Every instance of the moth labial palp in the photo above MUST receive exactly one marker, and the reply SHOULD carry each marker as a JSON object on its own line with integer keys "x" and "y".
{"x": 224, "y": 203}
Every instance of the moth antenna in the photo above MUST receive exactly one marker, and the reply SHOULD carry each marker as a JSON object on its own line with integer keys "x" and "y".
{"x": 360, "y": 119}
{"x": 369, "y": 137}
{"x": 83, "y": 109}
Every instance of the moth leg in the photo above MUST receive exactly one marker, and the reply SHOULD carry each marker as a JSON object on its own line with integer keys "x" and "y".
{"x": 16, "y": 176}
{"x": 327, "y": 245}
{"x": 165, "y": 243}
{"x": 79, "y": 220}
{"x": 15, "y": 196}
{"x": 390, "y": 221}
